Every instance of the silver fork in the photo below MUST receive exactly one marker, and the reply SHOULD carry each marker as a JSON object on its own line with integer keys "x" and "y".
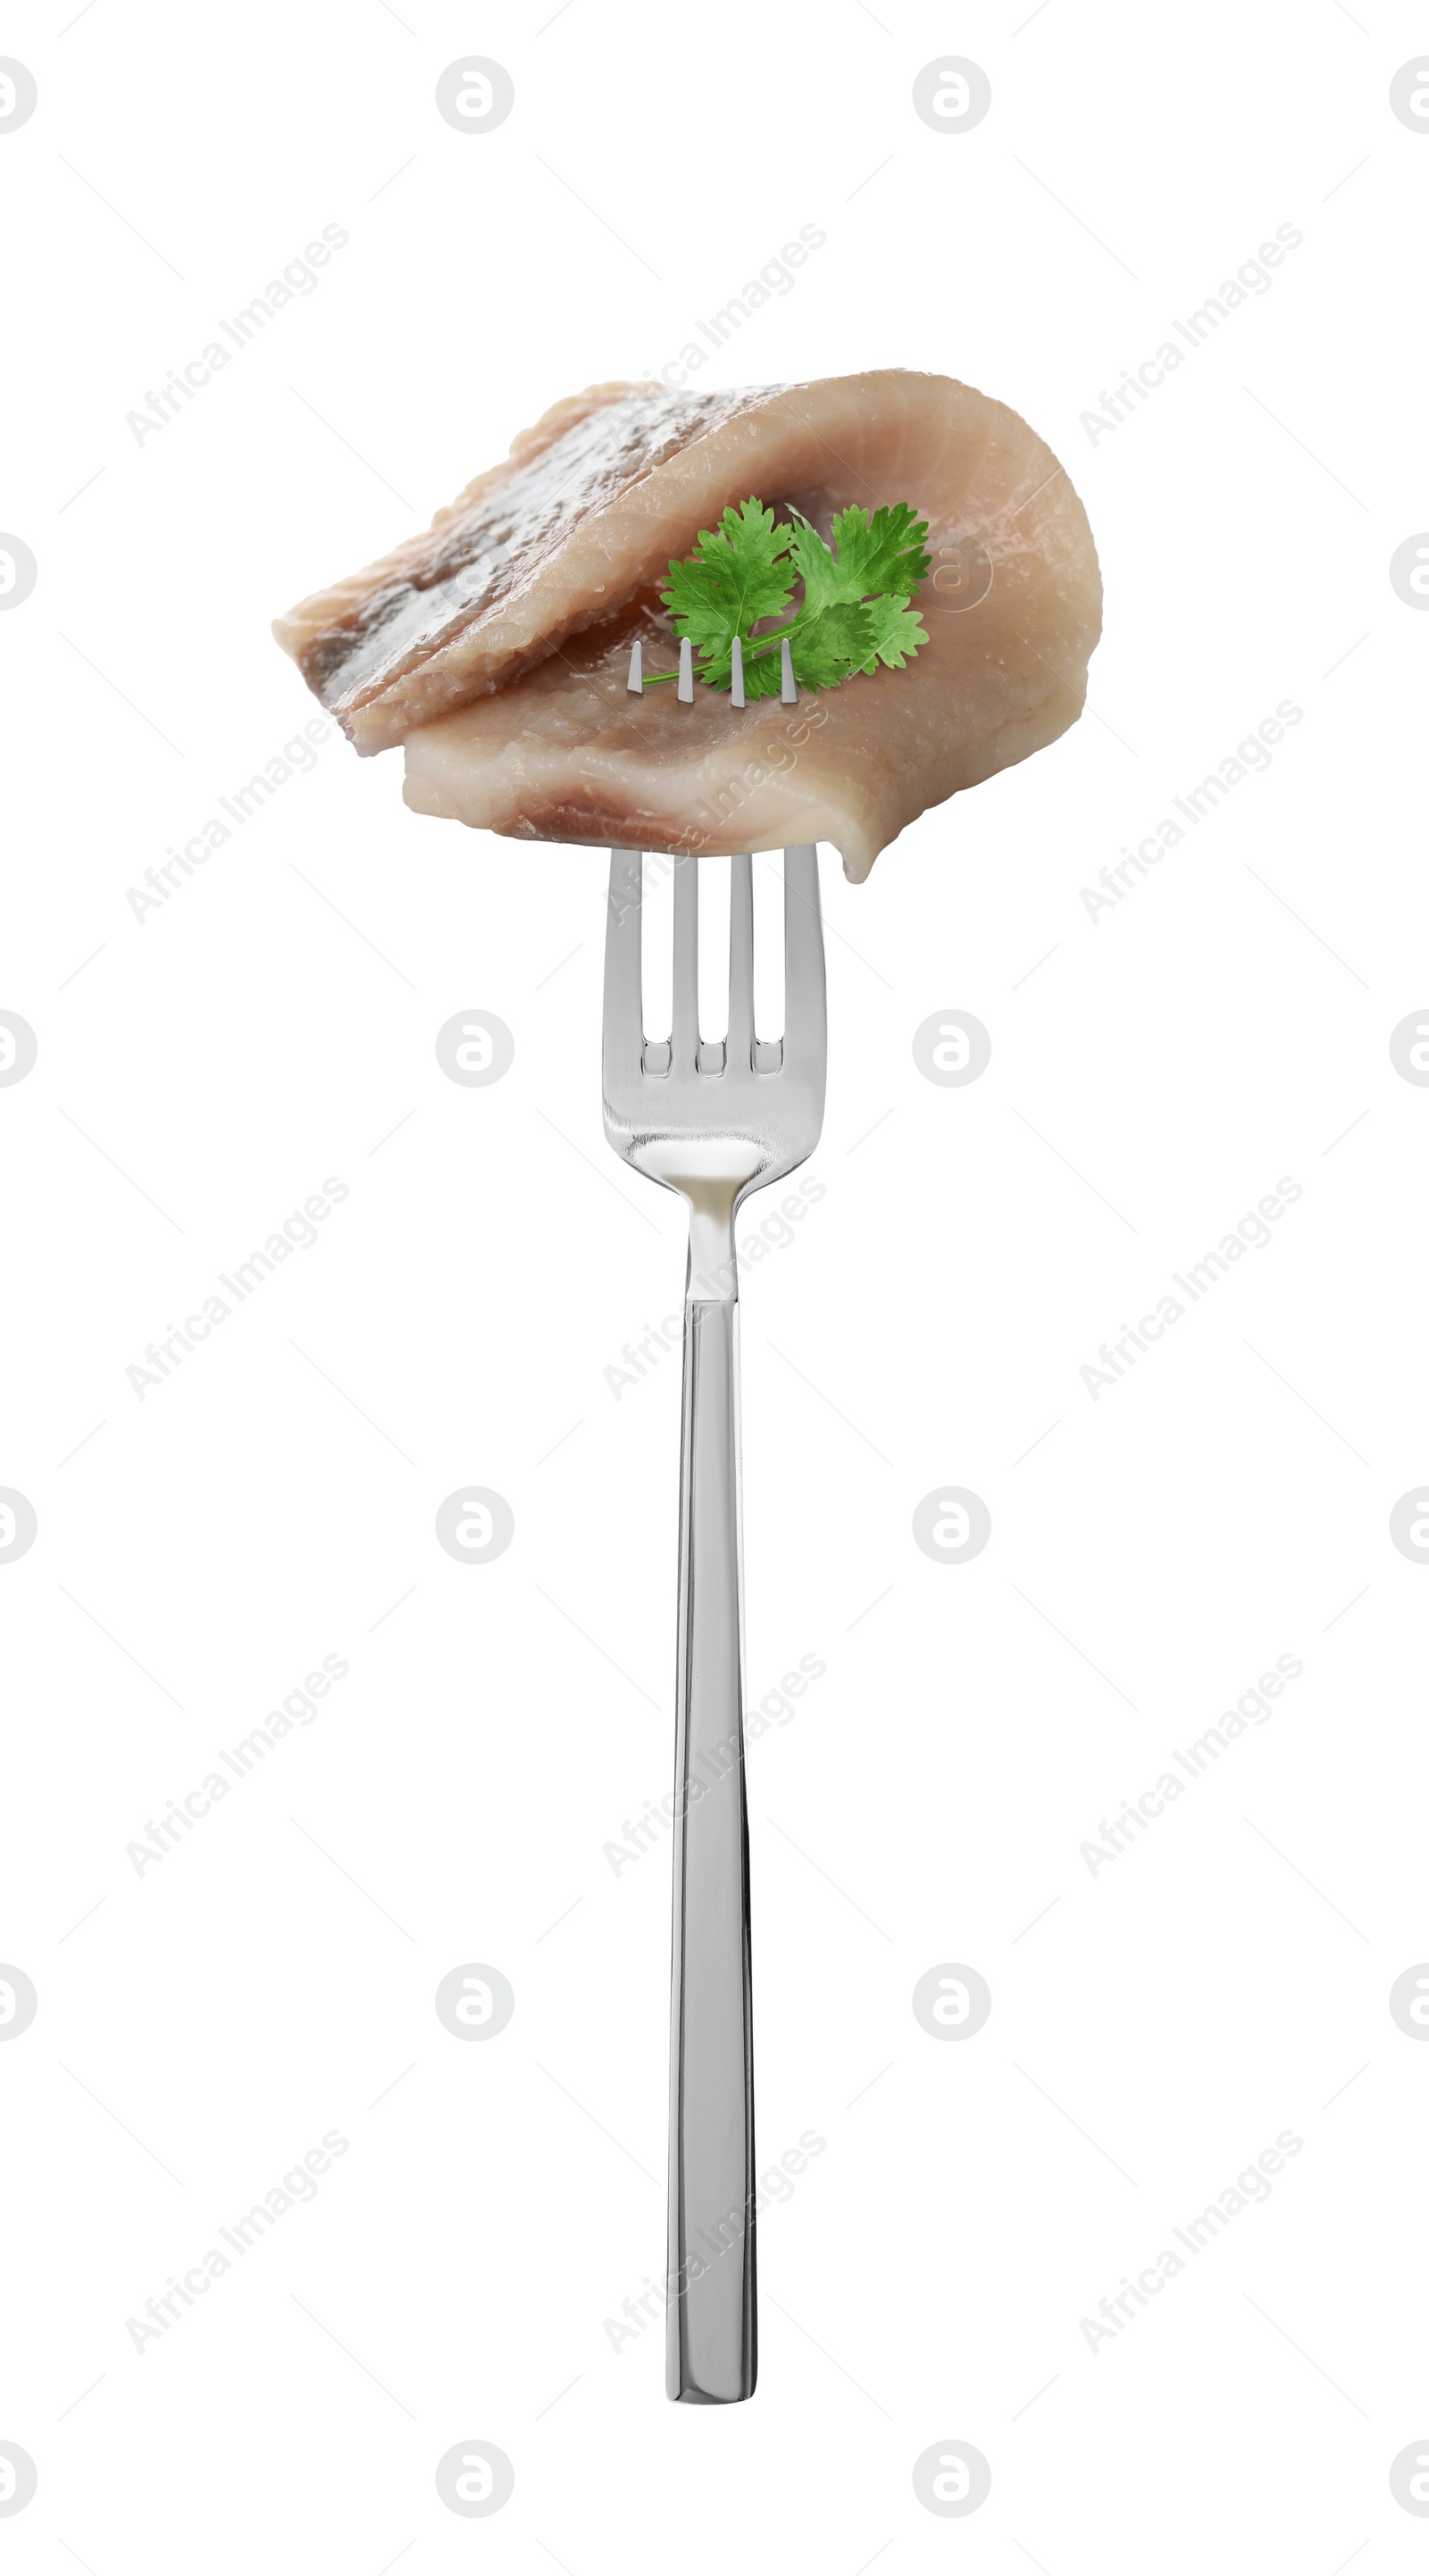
{"x": 713, "y": 1122}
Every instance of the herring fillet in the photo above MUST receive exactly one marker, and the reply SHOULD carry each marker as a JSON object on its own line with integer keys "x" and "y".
{"x": 496, "y": 645}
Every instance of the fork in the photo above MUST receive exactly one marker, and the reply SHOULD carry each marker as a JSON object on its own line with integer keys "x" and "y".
{"x": 713, "y": 1121}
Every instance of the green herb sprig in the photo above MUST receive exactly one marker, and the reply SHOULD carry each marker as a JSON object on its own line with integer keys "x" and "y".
{"x": 855, "y": 611}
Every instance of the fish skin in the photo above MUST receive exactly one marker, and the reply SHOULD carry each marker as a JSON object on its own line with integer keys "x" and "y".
{"x": 510, "y": 692}
{"x": 532, "y": 551}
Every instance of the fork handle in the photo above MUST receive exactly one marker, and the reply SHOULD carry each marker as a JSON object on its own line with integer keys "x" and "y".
{"x": 710, "y": 2356}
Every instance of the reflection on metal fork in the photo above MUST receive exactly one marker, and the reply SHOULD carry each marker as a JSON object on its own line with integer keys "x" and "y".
{"x": 713, "y": 1123}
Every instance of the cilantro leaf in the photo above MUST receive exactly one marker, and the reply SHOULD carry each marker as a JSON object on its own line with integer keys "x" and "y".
{"x": 821, "y": 576}
{"x": 898, "y": 631}
{"x": 840, "y": 641}
{"x": 736, "y": 575}
{"x": 880, "y": 554}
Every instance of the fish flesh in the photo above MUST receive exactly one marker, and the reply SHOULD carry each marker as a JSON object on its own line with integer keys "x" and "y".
{"x": 496, "y": 645}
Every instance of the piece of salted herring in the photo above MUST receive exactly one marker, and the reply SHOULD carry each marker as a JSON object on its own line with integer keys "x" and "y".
{"x": 497, "y": 646}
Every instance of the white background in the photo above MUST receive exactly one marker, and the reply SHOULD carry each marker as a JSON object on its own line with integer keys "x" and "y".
{"x": 1154, "y": 1073}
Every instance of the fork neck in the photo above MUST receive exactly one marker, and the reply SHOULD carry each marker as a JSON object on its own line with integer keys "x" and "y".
{"x": 713, "y": 1276}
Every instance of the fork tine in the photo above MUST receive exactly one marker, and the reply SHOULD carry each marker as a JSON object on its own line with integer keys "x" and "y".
{"x": 622, "y": 1035}
{"x": 685, "y": 1031}
{"x": 805, "y": 1007}
{"x": 736, "y": 674}
{"x": 739, "y": 1045}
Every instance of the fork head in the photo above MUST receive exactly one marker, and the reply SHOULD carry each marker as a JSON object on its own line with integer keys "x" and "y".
{"x": 715, "y": 1122}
